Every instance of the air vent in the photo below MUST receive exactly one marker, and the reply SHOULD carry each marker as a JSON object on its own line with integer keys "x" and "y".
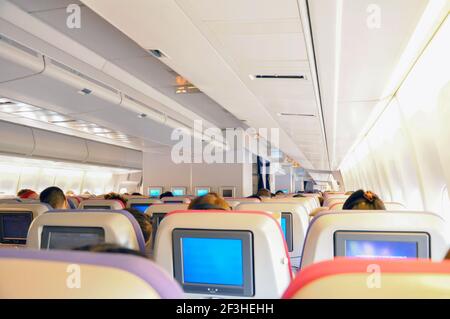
{"x": 278, "y": 76}
{"x": 157, "y": 53}
{"x": 295, "y": 114}
{"x": 83, "y": 76}
{"x": 19, "y": 46}
{"x": 85, "y": 91}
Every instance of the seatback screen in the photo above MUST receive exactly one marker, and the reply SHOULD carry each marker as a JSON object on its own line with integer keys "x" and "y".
{"x": 141, "y": 207}
{"x": 214, "y": 262}
{"x": 376, "y": 245}
{"x": 178, "y": 191}
{"x": 96, "y": 207}
{"x": 154, "y": 192}
{"x": 14, "y": 227}
{"x": 286, "y": 227}
{"x": 227, "y": 193}
{"x": 202, "y": 191}
{"x": 66, "y": 238}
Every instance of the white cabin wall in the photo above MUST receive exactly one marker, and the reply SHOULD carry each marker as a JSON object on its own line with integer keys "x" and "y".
{"x": 405, "y": 155}
{"x": 160, "y": 170}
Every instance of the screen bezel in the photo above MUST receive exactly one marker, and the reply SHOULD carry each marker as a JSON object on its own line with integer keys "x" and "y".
{"x": 10, "y": 240}
{"x": 228, "y": 188}
{"x": 46, "y": 230}
{"x": 99, "y": 207}
{"x": 156, "y": 220}
{"x": 421, "y": 238}
{"x": 289, "y": 230}
{"x": 248, "y": 288}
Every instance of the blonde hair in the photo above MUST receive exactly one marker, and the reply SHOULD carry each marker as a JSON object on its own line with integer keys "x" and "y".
{"x": 209, "y": 201}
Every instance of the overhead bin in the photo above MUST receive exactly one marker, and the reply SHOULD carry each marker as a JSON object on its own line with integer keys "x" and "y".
{"x": 16, "y": 139}
{"x": 18, "y": 61}
{"x": 49, "y": 144}
{"x": 25, "y": 141}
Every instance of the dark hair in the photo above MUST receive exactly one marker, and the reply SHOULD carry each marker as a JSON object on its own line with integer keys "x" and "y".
{"x": 165, "y": 194}
{"x": 110, "y": 248}
{"x": 364, "y": 200}
{"x": 209, "y": 201}
{"x": 144, "y": 222}
{"x": 54, "y": 196}
{"x": 254, "y": 196}
{"x": 279, "y": 192}
{"x": 115, "y": 196}
{"x": 136, "y": 194}
{"x": 263, "y": 192}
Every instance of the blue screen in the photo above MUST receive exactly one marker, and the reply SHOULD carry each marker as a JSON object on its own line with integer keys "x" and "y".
{"x": 285, "y": 191}
{"x": 155, "y": 192}
{"x": 213, "y": 261}
{"x": 16, "y": 226}
{"x": 380, "y": 249}
{"x": 202, "y": 192}
{"x": 178, "y": 192}
{"x": 140, "y": 207}
{"x": 283, "y": 226}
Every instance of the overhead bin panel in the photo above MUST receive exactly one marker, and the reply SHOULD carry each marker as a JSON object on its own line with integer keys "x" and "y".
{"x": 18, "y": 61}
{"x": 16, "y": 139}
{"x": 54, "y": 145}
{"x": 100, "y": 153}
{"x": 64, "y": 90}
{"x": 133, "y": 159}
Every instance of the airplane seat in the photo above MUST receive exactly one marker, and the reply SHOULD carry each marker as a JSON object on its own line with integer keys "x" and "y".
{"x": 141, "y": 204}
{"x": 343, "y": 278}
{"x": 338, "y": 205}
{"x": 158, "y": 211}
{"x": 16, "y": 219}
{"x": 369, "y": 233}
{"x": 233, "y": 203}
{"x": 394, "y": 206}
{"x": 333, "y": 200}
{"x": 308, "y": 203}
{"x": 34, "y": 274}
{"x": 176, "y": 200}
{"x": 244, "y": 199}
{"x": 317, "y": 211}
{"x": 294, "y": 221}
{"x": 73, "y": 204}
{"x": 111, "y": 204}
{"x": 63, "y": 229}
{"x": 224, "y": 254}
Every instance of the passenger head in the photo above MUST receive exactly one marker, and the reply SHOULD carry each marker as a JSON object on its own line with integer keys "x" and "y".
{"x": 254, "y": 196}
{"x": 27, "y": 194}
{"x": 136, "y": 194}
{"x": 362, "y": 200}
{"x": 144, "y": 222}
{"x": 110, "y": 248}
{"x": 209, "y": 201}
{"x": 54, "y": 196}
{"x": 349, "y": 193}
{"x": 115, "y": 196}
{"x": 279, "y": 192}
{"x": 165, "y": 194}
{"x": 264, "y": 193}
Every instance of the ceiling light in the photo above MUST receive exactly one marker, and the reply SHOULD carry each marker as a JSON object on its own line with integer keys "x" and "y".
{"x": 84, "y": 91}
{"x": 142, "y": 116}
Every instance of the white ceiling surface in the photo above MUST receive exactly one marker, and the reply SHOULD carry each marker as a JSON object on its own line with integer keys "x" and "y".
{"x": 120, "y": 50}
{"x": 217, "y": 44}
{"x": 367, "y": 59}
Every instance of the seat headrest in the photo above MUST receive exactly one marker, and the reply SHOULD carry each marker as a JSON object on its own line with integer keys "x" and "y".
{"x": 36, "y": 208}
{"x": 165, "y": 208}
{"x": 176, "y": 199}
{"x": 54, "y": 275}
{"x": 118, "y": 227}
{"x": 102, "y": 203}
{"x": 269, "y": 260}
{"x": 152, "y": 201}
{"x": 369, "y": 278}
{"x": 320, "y": 242}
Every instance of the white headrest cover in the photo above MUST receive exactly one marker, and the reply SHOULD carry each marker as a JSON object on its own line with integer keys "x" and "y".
{"x": 271, "y": 262}
{"x": 300, "y": 219}
{"x": 319, "y": 243}
{"x": 143, "y": 201}
{"x": 118, "y": 228}
{"x": 113, "y": 204}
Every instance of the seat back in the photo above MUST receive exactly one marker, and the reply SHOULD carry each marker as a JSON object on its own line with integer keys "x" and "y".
{"x": 244, "y": 199}
{"x": 375, "y": 233}
{"x": 76, "y": 228}
{"x": 141, "y": 204}
{"x": 224, "y": 254}
{"x": 32, "y": 274}
{"x": 15, "y": 221}
{"x": 330, "y": 201}
{"x": 294, "y": 223}
{"x": 338, "y": 205}
{"x": 157, "y": 212}
{"x": 109, "y": 204}
{"x": 176, "y": 200}
{"x": 368, "y": 278}
{"x": 309, "y": 203}
{"x": 233, "y": 203}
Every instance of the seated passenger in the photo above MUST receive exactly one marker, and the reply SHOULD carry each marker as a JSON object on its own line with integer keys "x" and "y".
{"x": 144, "y": 222}
{"x": 27, "y": 194}
{"x": 136, "y": 194}
{"x": 264, "y": 193}
{"x": 115, "y": 196}
{"x": 110, "y": 248}
{"x": 279, "y": 192}
{"x": 165, "y": 194}
{"x": 361, "y": 200}
{"x": 210, "y": 201}
{"x": 54, "y": 196}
